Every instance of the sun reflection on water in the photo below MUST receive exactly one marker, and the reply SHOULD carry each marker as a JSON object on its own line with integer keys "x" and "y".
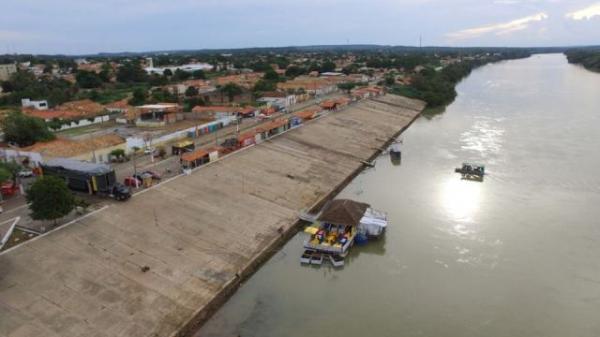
{"x": 461, "y": 200}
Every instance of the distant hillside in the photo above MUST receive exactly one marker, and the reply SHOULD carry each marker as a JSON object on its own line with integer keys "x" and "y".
{"x": 589, "y": 58}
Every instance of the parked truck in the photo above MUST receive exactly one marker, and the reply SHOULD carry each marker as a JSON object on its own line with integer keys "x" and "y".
{"x": 98, "y": 179}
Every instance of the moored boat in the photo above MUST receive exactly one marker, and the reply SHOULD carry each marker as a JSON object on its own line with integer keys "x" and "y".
{"x": 338, "y": 226}
{"x": 396, "y": 152}
{"x": 471, "y": 171}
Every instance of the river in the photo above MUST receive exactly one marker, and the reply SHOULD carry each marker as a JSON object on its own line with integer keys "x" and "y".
{"x": 515, "y": 255}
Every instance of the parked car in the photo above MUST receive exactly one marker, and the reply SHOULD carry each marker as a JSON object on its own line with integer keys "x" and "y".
{"x": 132, "y": 182}
{"x": 149, "y": 150}
{"x": 8, "y": 189}
{"x": 26, "y": 173}
{"x": 153, "y": 174}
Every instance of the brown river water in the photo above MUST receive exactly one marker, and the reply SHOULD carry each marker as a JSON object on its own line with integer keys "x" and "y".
{"x": 515, "y": 255}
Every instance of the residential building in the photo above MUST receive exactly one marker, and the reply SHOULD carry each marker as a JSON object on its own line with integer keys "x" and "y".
{"x": 95, "y": 149}
{"x": 367, "y": 92}
{"x": 272, "y": 128}
{"x": 73, "y": 114}
{"x": 186, "y": 67}
{"x": 127, "y": 112}
{"x": 279, "y": 99}
{"x": 245, "y": 80}
{"x": 215, "y": 112}
{"x": 37, "y": 105}
{"x": 157, "y": 115}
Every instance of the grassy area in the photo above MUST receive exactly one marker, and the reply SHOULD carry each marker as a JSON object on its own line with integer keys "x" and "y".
{"x": 105, "y": 96}
{"x": 84, "y": 129}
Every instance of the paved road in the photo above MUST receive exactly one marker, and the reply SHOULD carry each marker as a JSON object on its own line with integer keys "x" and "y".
{"x": 168, "y": 167}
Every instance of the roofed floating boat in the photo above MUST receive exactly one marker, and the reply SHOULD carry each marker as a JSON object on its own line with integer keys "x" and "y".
{"x": 342, "y": 223}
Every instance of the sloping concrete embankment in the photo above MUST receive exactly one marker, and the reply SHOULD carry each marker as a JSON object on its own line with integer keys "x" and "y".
{"x": 199, "y": 235}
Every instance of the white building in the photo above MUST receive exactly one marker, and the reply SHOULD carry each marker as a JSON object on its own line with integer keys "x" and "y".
{"x": 38, "y": 105}
{"x": 186, "y": 67}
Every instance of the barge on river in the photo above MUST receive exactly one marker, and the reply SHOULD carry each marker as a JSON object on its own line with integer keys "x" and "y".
{"x": 341, "y": 224}
{"x": 471, "y": 171}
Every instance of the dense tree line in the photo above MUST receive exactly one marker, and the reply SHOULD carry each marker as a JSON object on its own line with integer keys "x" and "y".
{"x": 437, "y": 88}
{"x": 23, "y": 84}
{"x": 590, "y": 59}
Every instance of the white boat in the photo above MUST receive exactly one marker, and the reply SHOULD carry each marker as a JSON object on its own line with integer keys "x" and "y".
{"x": 373, "y": 223}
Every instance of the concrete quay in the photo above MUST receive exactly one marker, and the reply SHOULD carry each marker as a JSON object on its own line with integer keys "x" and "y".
{"x": 161, "y": 263}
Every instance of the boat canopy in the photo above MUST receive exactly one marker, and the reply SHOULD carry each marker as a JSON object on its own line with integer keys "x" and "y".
{"x": 343, "y": 212}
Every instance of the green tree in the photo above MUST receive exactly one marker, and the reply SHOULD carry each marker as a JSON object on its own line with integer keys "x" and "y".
{"x": 327, "y": 66}
{"x": 199, "y": 75}
{"x": 190, "y": 103}
{"x": 48, "y": 68}
{"x": 231, "y": 90}
{"x": 131, "y": 72}
{"x": 157, "y": 80}
{"x": 25, "y": 130}
{"x": 139, "y": 97}
{"x": 262, "y": 86}
{"x": 348, "y": 86}
{"x": 117, "y": 153}
{"x": 181, "y": 75}
{"x": 390, "y": 80}
{"x": 4, "y": 175}
{"x": 167, "y": 72}
{"x": 295, "y": 71}
{"x": 12, "y": 168}
{"x": 191, "y": 91}
{"x": 271, "y": 75}
{"x": 105, "y": 73}
{"x": 49, "y": 198}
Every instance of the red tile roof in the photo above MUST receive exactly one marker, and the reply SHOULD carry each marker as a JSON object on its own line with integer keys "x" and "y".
{"x": 201, "y": 108}
{"x": 272, "y": 125}
{"x": 194, "y": 155}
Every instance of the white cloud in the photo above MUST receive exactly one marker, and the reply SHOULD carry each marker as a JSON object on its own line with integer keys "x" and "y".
{"x": 498, "y": 29}
{"x": 586, "y": 13}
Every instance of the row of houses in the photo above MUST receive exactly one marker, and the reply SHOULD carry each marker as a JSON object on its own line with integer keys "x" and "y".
{"x": 71, "y": 114}
{"x": 197, "y": 157}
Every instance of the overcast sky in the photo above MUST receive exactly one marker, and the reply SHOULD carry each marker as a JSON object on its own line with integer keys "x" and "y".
{"x": 90, "y": 26}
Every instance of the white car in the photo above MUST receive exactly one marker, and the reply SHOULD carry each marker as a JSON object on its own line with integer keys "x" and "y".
{"x": 149, "y": 150}
{"x": 25, "y": 173}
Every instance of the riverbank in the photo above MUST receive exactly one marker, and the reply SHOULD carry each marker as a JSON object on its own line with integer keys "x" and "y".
{"x": 587, "y": 58}
{"x": 437, "y": 87}
{"x": 162, "y": 262}
{"x": 515, "y": 255}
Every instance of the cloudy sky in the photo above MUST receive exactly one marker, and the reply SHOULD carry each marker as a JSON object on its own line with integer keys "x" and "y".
{"x": 89, "y": 26}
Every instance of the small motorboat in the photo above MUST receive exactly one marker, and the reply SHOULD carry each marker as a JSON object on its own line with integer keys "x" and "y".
{"x": 306, "y": 256}
{"x": 471, "y": 171}
{"x": 336, "y": 260}
{"x": 395, "y": 152}
{"x": 316, "y": 259}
